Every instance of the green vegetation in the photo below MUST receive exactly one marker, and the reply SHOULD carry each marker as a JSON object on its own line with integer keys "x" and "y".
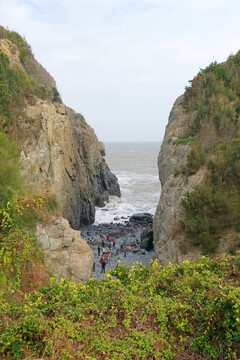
{"x": 9, "y": 168}
{"x": 15, "y": 38}
{"x": 214, "y": 97}
{"x": 55, "y": 95}
{"x": 184, "y": 140}
{"x": 16, "y": 88}
{"x": 208, "y": 213}
{"x": 195, "y": 159}
{"x": 21, "y": 260}
{"x": 155, "y": 312}
{"x": 19, "y": 211}
{"x": 213, "y": 102}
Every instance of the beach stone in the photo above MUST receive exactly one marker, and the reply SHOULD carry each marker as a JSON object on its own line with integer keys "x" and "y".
{"x": 141, "y": 217}
{"x": 122, "y": 233}
{"x": 146, "y": 239}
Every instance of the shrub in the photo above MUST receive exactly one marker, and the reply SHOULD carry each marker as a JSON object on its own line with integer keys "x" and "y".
{"x": 18, "y": 252}
{"x": 23, "y": 47}
{"x": 15, "y": 88}
{"x": 55, "y": 95}
{"x": 208, "y": 211}
{"x": 9, "y": 169}
{"x": 154, "y": 312}
{"x": 184, "y": 140}
{"x": 195, "y": 159}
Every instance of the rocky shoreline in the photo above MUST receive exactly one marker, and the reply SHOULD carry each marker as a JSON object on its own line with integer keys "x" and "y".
{"x": 128, "y": 233}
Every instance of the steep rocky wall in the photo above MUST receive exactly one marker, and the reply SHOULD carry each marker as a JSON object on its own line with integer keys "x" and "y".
{"x": 60, "y": 151}
{"x": 62, "y": 156}
{"x": 168, "y": 240}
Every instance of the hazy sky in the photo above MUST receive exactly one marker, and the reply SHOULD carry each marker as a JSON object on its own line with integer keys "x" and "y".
{"x": 122, "y": 63}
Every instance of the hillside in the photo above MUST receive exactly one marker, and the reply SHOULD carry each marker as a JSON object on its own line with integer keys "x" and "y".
{"x": 199, "y": 168}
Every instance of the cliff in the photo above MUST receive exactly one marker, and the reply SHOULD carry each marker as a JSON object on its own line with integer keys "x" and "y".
{"x": 169, "y": 241}
{"x": 199, "y": 169}
{"x": 61, "y": 153}
{"x": 61, "y": 157}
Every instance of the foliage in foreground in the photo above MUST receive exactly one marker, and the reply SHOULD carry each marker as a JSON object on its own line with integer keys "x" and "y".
{"x": 180, "y": 312}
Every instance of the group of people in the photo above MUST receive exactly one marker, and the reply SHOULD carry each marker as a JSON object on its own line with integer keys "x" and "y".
{"x": 106, "y": 253}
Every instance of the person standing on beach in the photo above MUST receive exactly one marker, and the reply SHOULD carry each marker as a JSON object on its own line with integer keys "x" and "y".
{"x": 99, "y": 249}
{"x": 106, "y": 257}
{"x": 103, "y": 264}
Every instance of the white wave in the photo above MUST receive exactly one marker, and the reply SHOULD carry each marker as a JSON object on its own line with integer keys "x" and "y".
{"x": 135, "y": 166}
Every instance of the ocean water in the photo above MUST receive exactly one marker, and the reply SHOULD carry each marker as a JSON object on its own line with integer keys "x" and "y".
{"x": 135, "y": 165}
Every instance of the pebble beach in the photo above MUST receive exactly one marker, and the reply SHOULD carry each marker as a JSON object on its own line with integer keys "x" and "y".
{"x": 128, "y": 233}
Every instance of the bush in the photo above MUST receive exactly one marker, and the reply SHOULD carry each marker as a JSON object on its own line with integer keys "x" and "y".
{"x": 18, "y": 252}
{"x": 195, "y": 159}
{"x": 55, "y": 95}
{"x": 15, "y": 88}
{"x": 23, "y": 47}
{"x": 185, "y": 311}
{"x": 184, "y": 140}
{"x": 208, "y": 211}
{"x": 204, "y": 97}
{"x": 9, "y": 169}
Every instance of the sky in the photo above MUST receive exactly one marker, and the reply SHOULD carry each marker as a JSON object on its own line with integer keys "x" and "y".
{"x": 123, "y": 63}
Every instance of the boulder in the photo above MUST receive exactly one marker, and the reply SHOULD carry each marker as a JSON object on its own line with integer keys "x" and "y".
{"x": 67, "y": 255}
{"x": 141, "y": 217}
{"x": 146, "y": 239}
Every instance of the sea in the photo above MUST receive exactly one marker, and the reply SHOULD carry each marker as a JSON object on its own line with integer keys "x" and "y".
{"x": 135, "y": 165}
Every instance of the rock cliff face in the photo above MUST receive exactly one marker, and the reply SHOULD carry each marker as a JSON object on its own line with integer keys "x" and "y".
{"x": 60, "y": 151}
{"x": 62, "y": 156}
{"x": 168, "y": 241}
